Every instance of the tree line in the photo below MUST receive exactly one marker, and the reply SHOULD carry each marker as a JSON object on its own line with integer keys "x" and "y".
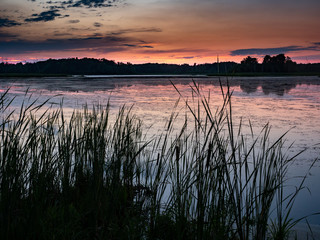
{"x": 104, "y": 66}
{"x": 271, "y": 64}
{"x": 278, "y": 63}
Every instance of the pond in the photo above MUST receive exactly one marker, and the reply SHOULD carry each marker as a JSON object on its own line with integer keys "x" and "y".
{"x": 287, "y": 103}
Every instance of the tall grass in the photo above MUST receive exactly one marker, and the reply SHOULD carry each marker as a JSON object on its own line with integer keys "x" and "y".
{"x": 91, "y": 178}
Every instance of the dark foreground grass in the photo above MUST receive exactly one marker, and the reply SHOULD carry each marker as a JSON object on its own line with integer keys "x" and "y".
{"x": 90, "y": 178}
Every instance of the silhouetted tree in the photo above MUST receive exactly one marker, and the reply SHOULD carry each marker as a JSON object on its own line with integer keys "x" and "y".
{"x": 278, "y": 63}
{"x": 266, "y": 59}
{"x": 279, "y": 59}
{"x": 249, "y": 64}
{"x": 249, "y": 60}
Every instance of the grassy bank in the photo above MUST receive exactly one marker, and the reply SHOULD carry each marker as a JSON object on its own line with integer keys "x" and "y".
{"x": 92, "y": 178}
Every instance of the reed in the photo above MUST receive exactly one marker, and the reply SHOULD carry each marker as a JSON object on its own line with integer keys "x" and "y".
{"x": 88, "y": 177}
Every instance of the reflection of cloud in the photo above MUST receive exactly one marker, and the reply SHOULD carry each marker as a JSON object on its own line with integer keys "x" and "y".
{"x": 5, "y": 22}
{"x": 44, "y": 16}
{"x": 271, "y": 51}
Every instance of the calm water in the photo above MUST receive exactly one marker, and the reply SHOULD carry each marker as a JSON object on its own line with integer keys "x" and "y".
{"x": 287, "y": 103}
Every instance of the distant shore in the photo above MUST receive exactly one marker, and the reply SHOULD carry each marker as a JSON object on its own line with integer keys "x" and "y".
{"x": 267, "y": 74}
{"x": 27, "y": 75}
{"x": 40, "y": 75}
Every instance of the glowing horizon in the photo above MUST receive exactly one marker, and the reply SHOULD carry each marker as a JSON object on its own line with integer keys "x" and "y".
{"x": 159, "y": 31}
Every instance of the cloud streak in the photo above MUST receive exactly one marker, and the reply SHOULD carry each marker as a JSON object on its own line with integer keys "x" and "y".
{"x": 99, "y": 44}
{"x": 74, "y": 21}
{"x": 5, "y": 22}
{"x": 271, "y": 51}
{"x": 177, "y": 51}
{"x": 4, "y": 35}
{"x": 96, "y": 24}
{"x": 136, "y": 30}
{"x": 93, "y": 3}
{"x": 44, "y": 16}
{"x": 137, "y": 46}
{"x": 83, "y": 3}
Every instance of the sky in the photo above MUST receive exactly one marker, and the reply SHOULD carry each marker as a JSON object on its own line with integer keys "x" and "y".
{"x": 162, "y": 31}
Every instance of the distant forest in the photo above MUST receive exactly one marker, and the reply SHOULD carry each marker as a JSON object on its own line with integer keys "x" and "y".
{"x": 74, "y": 66}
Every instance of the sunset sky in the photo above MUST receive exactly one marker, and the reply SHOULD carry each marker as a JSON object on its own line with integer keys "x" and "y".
{"x": 169, "y": 31}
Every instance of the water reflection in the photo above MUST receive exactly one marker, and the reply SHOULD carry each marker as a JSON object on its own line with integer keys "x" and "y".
{"x": 287, "y": 103}
{"x": 275, "y": 87}
{"x": 269, "y": 85}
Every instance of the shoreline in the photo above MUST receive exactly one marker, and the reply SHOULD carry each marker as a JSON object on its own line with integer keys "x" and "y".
{"x": 40, "y": 75}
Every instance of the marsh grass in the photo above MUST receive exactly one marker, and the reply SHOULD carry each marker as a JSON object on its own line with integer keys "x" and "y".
{"x": 88, "y": 177}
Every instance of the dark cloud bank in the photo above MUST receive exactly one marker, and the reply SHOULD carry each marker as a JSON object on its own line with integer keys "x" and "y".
{"x": 101, "y": 44}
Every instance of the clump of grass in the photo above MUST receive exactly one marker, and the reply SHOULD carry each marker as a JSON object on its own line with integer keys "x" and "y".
{"x": 88, "y": 177}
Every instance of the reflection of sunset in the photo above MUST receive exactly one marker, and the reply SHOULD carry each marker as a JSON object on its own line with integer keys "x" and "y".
{"x": 285, "y": 103}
